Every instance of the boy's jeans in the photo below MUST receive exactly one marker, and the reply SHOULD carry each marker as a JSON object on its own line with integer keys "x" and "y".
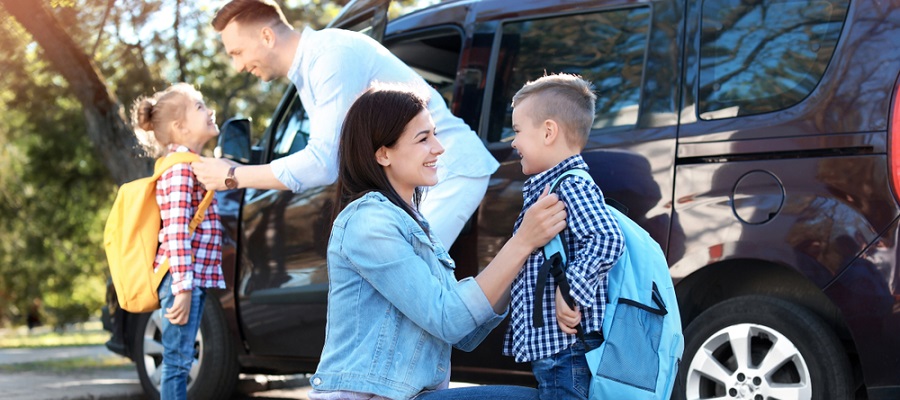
{"x": 565, "y": 375}
{"x": 178, "y": 342}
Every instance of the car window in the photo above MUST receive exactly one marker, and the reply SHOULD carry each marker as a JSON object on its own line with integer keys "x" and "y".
{"x": 433, "y": 54}
{"x": 292, "y": 132}
{"x": 762, "y": 56}
{"x": 606, "y": 48}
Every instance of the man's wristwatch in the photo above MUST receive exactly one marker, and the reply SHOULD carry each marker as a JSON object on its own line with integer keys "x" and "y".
{"x": 230, "y": 181}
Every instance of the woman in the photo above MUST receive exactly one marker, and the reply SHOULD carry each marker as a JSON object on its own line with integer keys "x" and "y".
{"x": 394, "y": 305}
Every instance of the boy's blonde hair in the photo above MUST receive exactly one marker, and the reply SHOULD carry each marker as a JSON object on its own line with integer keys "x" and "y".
{"x": 564, "y": 98}
{"x": 152, "y": 116}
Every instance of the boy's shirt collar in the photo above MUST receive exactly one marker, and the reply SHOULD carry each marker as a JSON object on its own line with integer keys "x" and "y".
{"x": 537, "y": 182}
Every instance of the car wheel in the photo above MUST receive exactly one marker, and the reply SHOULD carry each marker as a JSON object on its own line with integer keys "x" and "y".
{"x": 214, "y": 372}
{"x": 759, "y": 347}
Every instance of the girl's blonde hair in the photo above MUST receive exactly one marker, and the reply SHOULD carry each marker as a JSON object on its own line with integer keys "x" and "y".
{"x": 152, "y": 116}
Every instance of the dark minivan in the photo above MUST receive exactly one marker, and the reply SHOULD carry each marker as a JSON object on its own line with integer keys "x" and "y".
{"x": 756, "y": 140}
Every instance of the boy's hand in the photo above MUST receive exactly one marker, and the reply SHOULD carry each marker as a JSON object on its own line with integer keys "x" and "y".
{"x": 543, "y": 220}
{"x": 566, "y": 317}
{"x": 180, "y": 311}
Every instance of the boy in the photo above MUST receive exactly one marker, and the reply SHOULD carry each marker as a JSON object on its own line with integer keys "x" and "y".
{"x": 552, "y": 119}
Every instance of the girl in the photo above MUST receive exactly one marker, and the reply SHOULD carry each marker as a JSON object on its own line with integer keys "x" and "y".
{"x": 394, "y": 305}
{"x": 177, "y": 120}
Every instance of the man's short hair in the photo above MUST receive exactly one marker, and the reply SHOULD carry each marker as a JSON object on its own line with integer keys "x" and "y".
{"x": 564, "y": 98}
{"x": 248, "y": 12}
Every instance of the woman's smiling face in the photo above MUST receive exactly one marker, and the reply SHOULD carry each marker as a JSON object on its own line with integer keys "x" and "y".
{"x": 412, "y": 161}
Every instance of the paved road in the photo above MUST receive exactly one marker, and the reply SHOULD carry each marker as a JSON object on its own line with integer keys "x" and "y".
{"x": 119, "y": 383}
{"x": 112, "y": 384}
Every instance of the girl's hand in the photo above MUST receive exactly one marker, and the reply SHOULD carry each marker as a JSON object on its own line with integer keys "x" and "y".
{"x": 566, "y": 317}
{"x": 180, "y": 311}
{"x": 543, "y": 220}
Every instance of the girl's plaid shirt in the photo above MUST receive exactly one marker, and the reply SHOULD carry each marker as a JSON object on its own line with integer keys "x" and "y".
{"x": 178, "y": 194}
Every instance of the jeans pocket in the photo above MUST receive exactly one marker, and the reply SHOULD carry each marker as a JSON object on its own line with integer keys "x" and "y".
{"x": 581, "y": 379}
{"x": 631, "y": 355}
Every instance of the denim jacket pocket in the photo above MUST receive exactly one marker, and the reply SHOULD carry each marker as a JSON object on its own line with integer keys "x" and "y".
{"x": 427, "y": 248}
{"x": 445, "y": 259}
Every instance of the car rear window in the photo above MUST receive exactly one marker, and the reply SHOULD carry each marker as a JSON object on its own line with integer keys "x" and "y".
{"x": 762, "y": 56}
{"x": 606, "y": 48}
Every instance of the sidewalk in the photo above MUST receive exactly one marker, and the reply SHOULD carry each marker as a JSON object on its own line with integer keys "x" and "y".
{"x": 109, "y": 384}
{"x": 119, "y": 383}
{"x": 89, "y": 383}
{"x": 113, "y": 383}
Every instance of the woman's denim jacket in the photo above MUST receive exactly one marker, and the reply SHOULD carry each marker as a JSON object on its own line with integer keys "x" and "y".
{"x": 394, "y": 305}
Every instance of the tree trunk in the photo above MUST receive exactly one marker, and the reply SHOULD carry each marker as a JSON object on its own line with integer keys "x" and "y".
{"x": 112, "y": 137}
{"x": 182, "y": 64}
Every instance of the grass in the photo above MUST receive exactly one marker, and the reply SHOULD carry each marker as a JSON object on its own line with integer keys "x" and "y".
{"x": 83, "y": 334}
{"x": 70, "y": 365}
{"x": 86, "y": 334}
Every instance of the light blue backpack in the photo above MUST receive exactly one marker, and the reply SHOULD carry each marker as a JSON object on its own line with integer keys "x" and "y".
{"x": 643, "y": 341}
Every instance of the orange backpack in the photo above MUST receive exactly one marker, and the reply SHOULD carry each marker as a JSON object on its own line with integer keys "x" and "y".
{"x": 131, "y": 237}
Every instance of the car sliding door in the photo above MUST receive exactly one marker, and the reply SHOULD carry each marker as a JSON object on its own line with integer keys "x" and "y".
{"x": 630, "y": 52}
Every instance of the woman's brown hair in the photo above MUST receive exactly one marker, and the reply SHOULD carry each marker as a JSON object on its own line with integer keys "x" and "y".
{"x": 377, "y": 118}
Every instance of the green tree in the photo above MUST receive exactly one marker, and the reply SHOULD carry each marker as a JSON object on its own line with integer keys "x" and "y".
{"x": 72, "y": 69}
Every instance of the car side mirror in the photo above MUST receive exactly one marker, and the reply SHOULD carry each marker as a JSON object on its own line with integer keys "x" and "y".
{"x": 234, "y": 140}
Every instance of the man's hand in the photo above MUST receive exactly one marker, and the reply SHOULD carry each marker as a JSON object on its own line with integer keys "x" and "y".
{"x": 180, "y": 312}
{"x": 543, "y": 220}
{"x": 211, "y": 172}
{"x": 566, "y": 317}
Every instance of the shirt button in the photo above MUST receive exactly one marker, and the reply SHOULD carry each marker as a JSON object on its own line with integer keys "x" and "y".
{"x": 317, "y": 381}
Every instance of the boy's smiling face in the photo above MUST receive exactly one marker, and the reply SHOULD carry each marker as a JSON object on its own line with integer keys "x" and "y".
{"x": 529, "y": 139}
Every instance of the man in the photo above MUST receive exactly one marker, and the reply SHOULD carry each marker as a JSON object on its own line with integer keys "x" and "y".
{"x": 330, "y": 68}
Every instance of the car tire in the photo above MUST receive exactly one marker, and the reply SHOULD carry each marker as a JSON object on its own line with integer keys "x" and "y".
{"x": 215, "y": 369}
{"x": 791, "y": 353}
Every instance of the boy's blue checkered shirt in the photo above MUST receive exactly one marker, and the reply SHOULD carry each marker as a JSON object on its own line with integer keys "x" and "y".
{"x": 593, "y": 245}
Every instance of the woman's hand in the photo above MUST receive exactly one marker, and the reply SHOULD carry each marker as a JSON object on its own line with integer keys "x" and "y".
{"x": 211, "y": 172}
{"x": 566, "y": 317}
{"x": 180, "y": 311}
{"x": 543, "y": 220}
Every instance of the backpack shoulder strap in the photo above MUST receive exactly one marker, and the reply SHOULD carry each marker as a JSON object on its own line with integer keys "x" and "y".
{"x": 574, "y": 171}
{"x": 554, "y": 260}
{"x": 555, "y": 246}
{"x": 166, "y": 162}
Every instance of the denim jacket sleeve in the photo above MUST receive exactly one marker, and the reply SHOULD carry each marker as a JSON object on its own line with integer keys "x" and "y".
{"x": 472, "y": 340}
{"x": 380, "y": 246}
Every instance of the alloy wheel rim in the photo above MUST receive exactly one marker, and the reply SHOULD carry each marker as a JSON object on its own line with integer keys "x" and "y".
{"x": 748, "y": 361}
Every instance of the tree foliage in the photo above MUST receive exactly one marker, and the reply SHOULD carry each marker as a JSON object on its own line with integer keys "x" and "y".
{"x": 65, "y": 145}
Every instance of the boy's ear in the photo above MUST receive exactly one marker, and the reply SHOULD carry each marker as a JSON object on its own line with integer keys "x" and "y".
{"x": 381, "y": 157}
{"x": 551, "y": 131}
